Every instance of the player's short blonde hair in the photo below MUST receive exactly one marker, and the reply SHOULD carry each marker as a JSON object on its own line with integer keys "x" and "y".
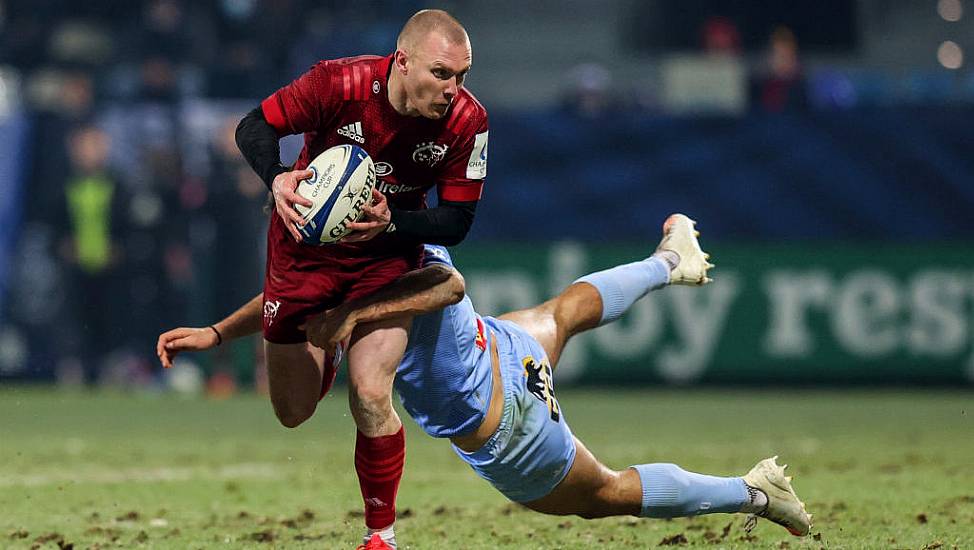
{"x": 425, "y": 22}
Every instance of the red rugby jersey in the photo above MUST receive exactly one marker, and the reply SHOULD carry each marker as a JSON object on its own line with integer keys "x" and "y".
{"x": 345, "y": 101}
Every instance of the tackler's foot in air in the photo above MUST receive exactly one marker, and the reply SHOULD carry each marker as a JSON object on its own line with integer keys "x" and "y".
{"x": 680, "y": 238}
{"x": 783, "y": 506}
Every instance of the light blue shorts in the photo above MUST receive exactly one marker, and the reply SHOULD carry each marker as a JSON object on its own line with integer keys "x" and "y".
{"x": 532, "y": 449}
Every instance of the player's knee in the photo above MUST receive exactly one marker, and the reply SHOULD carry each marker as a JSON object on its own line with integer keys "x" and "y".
{"x": 608, "y": 499}
{"x": 579, "y": 308}
{"x": 372, "y": 397}
{"x": 292, "y": 415}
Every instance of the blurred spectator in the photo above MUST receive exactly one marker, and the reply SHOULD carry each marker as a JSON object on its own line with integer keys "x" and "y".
{"x": 782, "y": 86}
{"x": 721, "y": 37}
{"x": 92, "y": 227}
{"x": 68, "y": 94}
{"x": 338, "y": 29}
{"x": 590, "y": 92}
{"x": 245, "y": 58}
{"x": 80, "y": 42}
{"x": 173, "y": 44}
{"x": 235, "y": 259}
{"x": 238, "y": 198}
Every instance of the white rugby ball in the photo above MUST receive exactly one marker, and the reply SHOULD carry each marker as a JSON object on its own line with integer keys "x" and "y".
{"x": 339, "y": 188}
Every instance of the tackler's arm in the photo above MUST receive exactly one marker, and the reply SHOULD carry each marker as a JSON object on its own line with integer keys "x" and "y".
{"x": 422, "y": 291}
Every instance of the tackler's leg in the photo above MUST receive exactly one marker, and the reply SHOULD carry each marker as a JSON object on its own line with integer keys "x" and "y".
{"x": 603, "y": 297}
{"x": 662, "y": 490}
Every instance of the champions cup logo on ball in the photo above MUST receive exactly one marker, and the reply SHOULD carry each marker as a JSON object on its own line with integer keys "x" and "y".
{"x": 341, "y": 186}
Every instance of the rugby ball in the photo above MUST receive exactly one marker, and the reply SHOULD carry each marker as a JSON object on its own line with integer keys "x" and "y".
{"x": 339, "y": 188}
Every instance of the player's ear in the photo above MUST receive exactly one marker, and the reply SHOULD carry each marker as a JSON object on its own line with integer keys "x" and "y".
{"x": 400, "y": 59}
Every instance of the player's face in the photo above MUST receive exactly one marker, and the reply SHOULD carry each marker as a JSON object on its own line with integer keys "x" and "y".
{"x": 435, "y": 74}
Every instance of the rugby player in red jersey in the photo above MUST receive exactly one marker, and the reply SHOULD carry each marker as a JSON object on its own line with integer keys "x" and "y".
{"x": 410, "y": 112}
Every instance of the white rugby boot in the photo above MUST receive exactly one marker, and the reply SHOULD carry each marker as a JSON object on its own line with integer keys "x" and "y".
{"x": 783, "y": 507}
{"x": 680, "y": 237}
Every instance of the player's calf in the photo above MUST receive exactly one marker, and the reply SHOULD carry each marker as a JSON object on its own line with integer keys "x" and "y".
{"x": 678, "y": 260}
{"x": 669, "y": 491}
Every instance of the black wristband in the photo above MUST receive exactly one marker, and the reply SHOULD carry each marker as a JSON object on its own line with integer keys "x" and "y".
{"x": 219, "y": 337}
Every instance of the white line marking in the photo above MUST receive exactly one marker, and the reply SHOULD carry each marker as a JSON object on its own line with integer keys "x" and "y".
{"x": 144, "y": 475}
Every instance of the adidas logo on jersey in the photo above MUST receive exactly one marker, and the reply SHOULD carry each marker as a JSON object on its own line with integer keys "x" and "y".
{"x": 353, "y": 132}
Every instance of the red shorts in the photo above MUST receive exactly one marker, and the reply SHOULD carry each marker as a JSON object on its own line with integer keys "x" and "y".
{"x": 303, "y": 280}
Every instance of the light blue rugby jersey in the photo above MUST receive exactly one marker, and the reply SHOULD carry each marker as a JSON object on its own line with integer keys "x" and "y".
{"x": 444, "y": 380}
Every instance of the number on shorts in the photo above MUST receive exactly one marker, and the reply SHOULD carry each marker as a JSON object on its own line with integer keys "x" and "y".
{"x": 541, "y": 385}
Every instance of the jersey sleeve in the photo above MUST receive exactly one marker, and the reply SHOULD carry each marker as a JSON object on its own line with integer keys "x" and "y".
{"x": 299, "y": 106}
{"x": 465, "y": 167}
{"x": 436, "y": 254}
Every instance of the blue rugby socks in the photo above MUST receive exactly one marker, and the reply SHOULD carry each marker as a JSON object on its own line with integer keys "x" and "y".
{"x": 670, "y": 491}
{"x": 621, "y": 286}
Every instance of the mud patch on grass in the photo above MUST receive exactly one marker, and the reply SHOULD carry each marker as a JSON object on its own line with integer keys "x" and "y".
{"x": 110, "y": 533}
{"x": 128, "y": 516}
{"x": 303, "y": 536}
{"x": 674, "y": 540}
{"x": 56, "y": 538}
{"x": 263, "y": 536}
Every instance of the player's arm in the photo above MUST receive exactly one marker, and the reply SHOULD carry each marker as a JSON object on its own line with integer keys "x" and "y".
{"x": 243, "y": 322}
{"x": 259, "y": 143}
{"x": 293, "y": 109}
{"x": 447, "y": 224}
{"x": 421, "y": 291}
{"x": 459, "y": 187}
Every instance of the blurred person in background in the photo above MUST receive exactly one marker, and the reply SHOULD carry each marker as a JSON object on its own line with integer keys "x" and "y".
{"x": 781, "y": 87}
{"x": 174, "y": 42}
{"x": 246, "y": 47}
{"x": 93, "y": 216}
{"x": 236, "y": 202}
{"x": 590, "y": 92}
{"x": 721, "y": 37}
{"x": 160, "y": 266}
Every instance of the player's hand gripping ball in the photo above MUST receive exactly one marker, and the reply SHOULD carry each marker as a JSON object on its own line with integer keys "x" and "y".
{"x": 339, "y": 188}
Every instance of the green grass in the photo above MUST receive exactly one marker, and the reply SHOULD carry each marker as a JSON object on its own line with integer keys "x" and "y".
{"x": 878, "y": 470}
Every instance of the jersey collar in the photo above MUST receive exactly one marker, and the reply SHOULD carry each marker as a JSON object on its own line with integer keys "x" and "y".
{"x": 385, "y": 66}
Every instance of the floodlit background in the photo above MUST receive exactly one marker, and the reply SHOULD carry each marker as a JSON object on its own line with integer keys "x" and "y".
{"x": 825, "y": 148}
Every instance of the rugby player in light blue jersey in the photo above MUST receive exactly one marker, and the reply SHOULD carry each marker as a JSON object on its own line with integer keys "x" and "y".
{"x": 486, "y": 384}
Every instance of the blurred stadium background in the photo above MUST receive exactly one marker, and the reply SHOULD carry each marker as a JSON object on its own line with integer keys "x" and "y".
{"x": 825, "y": 148}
